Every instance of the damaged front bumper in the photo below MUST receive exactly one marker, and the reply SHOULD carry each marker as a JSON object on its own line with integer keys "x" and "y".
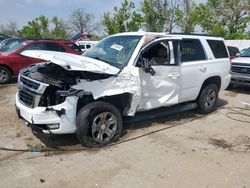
{"x": 58, "y": 119}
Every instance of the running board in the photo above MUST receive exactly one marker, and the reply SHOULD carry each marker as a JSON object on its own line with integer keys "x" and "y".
{"x": 160, "y": 112}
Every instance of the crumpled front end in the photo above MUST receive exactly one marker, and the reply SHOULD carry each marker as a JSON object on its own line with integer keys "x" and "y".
{"x": 48, "y": 106}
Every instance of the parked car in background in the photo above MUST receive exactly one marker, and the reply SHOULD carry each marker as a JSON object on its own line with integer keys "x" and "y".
{"x": 241, "y": 69}
{"x": 79, "y": 36}
{"x": 9, "y": 42}
{"x": 2, "y": 37}
{"x": 233, "y": 52}
{"x": 11, "y": 61}
{"x": 85, "y": 45}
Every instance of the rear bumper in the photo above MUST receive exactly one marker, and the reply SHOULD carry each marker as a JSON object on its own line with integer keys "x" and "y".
{"x": 39, "y": 118}
{"x": 240, "y": 79}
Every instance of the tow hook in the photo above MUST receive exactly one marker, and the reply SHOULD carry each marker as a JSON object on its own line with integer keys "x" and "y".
{"x": 58, "y": 112}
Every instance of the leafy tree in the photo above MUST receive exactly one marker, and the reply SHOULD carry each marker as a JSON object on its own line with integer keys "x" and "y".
{"x": 123, "y": 19}
{"x": 161, "y": 15}
{"x": 37, "y": 28}
{"x": 40, "y": 28}
{"x": 154, "y": 14}
{"x": 185, "y": 16}
{"x": 82, "y": 22}
{"x": 60, "y": 29}
{"x": 225, "y": 18}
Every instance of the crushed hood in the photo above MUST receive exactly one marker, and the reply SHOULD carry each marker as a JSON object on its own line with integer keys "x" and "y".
{"x": 73, "y": 62}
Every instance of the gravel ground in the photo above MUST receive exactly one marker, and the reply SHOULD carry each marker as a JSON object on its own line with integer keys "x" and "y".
{"x": 191, "y": 151}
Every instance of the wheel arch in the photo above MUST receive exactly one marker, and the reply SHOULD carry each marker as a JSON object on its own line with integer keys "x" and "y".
{"x": 121, "y": 101}
{"x": 211, "y": 80}
{"x": 6, "y": 66}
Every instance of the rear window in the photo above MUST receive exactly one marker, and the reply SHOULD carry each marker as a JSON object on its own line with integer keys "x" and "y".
{"x": 218, "y": 48}
{"x": 74, "y": 47}
{"x": 53, "y": 47}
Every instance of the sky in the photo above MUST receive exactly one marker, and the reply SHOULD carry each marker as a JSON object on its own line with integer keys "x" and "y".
{"x": 23, "y": 11}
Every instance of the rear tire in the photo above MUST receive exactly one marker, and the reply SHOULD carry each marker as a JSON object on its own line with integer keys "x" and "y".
{"x": 5, "y": 75}
{"x": 98, "y": 124}
{"x": 207, "y": 99}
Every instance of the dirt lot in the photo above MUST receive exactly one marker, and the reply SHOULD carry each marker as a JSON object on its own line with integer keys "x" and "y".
{"x": 195, "y": 151}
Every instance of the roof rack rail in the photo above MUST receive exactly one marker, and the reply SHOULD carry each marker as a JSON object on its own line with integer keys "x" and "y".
{"x": 197, "y": 34}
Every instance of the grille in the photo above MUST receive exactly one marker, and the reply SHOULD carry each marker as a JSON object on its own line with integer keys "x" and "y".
{"x": 29, "y": 83}
{"x": 26, "y": 97}
{"x": 241, "y": 69}
{"x": 30, "y": 91}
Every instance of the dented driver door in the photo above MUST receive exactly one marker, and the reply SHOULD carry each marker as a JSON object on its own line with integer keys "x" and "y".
{"x": 162, "y": 88}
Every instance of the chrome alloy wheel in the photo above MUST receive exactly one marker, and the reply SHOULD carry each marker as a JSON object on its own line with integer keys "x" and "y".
{"x": 3, "y": 75}
{"x": 210, "y": 98}
{"x": 104, "y": 127}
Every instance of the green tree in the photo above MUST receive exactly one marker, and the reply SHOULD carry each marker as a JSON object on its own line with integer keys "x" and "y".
{"x": 155, "y": 14}
{"x": 161, "y": 15}
{"x": 123, "y": 19}
{"x": 41, "y": 28}
{"x": 60, "y": 29}
{"x": 225, "y": 18}
{"x": 37, "y": 28}
{"x": 186, "y": 15}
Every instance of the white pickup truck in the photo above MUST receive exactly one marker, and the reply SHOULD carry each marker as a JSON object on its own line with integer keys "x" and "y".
{"x": 121, "y": 75}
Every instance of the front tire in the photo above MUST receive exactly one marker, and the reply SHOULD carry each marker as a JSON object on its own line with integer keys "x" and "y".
{"x": 207, "y": 99}
{"x": 98, "y": 124}
{"x": 5, "y": 75}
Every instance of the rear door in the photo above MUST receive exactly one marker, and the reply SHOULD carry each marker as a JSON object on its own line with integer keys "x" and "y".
{"x": 193, "y": 68}
{"x": 161, "y": 89}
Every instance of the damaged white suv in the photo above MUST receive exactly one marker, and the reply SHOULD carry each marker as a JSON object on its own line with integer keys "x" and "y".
{"x": 123, "y": 74}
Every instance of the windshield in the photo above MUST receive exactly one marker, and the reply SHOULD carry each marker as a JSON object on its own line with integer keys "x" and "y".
{"x": 9, "y": 43}
{"x": 246, "y": 53}
{"x": 115, "y": 50}
{"x": 14, "y": 46}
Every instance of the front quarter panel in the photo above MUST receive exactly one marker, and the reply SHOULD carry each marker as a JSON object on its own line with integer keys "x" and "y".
{"x": 128, "y": 81}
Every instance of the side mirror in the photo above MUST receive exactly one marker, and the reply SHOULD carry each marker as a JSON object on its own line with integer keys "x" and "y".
{"x": 144, "y": 63}
{"x": 237, "y": 54}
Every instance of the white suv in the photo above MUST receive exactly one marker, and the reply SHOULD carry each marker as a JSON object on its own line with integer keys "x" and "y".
{"x": 123, "y": 74}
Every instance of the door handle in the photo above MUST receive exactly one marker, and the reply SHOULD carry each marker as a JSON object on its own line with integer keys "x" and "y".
{"x": 174, "y": 75}
{"x": 203, "y": 68}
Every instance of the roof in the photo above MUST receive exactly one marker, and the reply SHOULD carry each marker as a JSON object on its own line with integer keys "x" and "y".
{"x": 180, "y": 35}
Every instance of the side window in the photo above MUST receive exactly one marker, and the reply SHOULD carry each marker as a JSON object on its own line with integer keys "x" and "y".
{"x": 34, "y": 46}
{"x": 74, "y": 47}
{"x": 158, "y": 54}
{"x": 218, "y": 48}
{"x": 88, "y": 46}
{"x": 53, "y": 47}
{"x": 192, "y": 50}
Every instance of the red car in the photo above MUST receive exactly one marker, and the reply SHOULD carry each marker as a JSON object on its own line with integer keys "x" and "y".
{"x": 12, "y": 61}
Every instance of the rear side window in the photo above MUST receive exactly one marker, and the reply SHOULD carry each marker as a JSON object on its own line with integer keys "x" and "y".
{"x": 34, "y": 46}
{"x": 74, "y": 47}
{"x": 53, "y": 47}
{"x": 192, "y": 50}
{"x": 218, "y": 48}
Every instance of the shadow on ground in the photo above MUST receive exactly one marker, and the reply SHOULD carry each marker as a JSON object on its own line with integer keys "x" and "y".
{"x": 147, "y": 119}
{"x": 240, "y": 89}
